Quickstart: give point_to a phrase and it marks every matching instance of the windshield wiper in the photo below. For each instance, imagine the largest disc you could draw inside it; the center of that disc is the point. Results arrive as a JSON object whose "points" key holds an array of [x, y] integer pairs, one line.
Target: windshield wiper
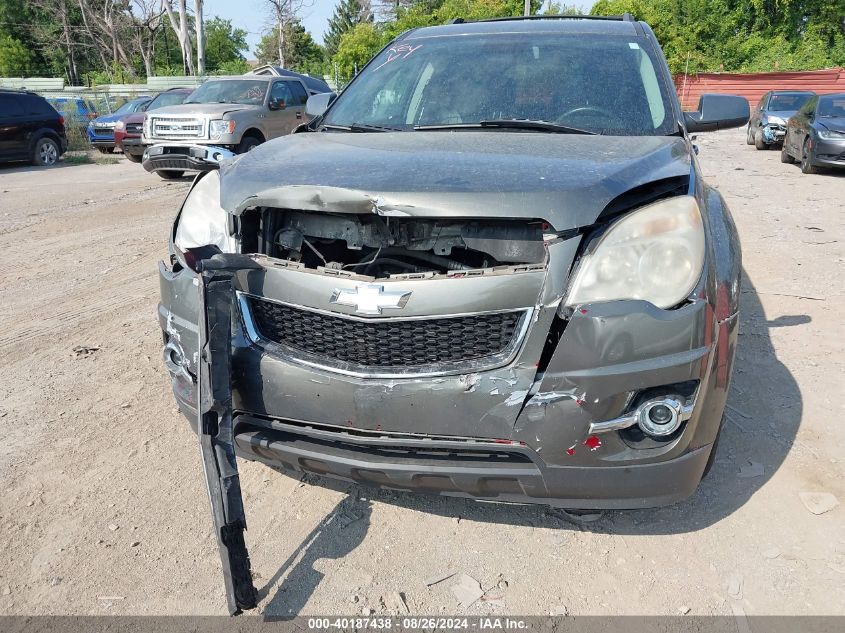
{"points": [[514, 124], [360, 127]]}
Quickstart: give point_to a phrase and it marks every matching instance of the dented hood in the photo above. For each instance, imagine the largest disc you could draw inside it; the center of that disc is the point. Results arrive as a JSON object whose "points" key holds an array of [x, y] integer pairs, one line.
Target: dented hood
{"points": [[564, 179]]}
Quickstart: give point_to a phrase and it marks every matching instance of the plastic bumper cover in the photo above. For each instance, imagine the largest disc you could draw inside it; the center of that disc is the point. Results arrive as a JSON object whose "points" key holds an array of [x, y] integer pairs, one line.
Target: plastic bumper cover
{"points": [[524, 478], [182, 157]]}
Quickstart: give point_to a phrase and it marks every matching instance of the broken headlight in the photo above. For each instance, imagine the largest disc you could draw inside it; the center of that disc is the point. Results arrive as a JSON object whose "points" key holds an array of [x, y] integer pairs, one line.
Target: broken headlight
{"points": [[655, 253], [203, 222]]}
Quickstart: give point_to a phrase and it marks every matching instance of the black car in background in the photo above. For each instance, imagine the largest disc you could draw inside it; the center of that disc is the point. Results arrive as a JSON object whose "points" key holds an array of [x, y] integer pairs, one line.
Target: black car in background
{"points": [[30, 129], [815, 136], [767, 124]]}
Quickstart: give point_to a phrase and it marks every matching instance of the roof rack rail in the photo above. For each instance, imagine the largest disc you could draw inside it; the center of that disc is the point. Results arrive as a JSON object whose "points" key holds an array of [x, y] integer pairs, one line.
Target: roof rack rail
{"points": [[626, 17]]}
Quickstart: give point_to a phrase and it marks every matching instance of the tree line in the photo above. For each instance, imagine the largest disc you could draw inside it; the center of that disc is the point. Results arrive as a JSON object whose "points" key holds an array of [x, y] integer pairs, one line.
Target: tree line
{"points": [[116, 41]]}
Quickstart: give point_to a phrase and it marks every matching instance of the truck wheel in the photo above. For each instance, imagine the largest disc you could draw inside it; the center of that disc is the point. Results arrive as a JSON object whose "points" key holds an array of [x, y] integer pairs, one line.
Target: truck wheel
{"points": [[46, 152], [170, 174], [133, 158], [105, 150], [759, 143], [248, 143]]}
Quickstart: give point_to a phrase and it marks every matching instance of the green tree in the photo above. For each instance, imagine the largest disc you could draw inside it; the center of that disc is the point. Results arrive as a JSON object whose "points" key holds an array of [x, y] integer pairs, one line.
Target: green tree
{"points": [[347, 14], [741, 35], [15, 57], [357, 47], [302, 53], [224, 45]]}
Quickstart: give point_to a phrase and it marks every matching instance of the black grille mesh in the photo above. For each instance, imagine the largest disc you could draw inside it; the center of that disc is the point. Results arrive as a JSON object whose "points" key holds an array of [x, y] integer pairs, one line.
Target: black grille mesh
{"points": [[397, 344]]}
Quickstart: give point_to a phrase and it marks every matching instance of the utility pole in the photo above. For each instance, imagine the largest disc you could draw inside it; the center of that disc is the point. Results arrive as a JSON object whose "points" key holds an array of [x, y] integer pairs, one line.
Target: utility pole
{"points": [[527, 7]]}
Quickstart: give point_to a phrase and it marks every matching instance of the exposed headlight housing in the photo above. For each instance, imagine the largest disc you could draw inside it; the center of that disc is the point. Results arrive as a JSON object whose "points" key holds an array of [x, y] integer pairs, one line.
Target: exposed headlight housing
{"points": [[203, 222], [655, 254], [219, 128], [831, 135], [775, 120]]}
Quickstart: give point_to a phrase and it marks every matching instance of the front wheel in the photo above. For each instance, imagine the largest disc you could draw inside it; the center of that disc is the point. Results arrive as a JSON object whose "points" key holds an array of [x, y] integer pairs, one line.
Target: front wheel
{"points": [[46, 152], [133, 158], [749, 136], [759, 142], [807, 166], [247, 144], [105, 150], [170, 174]]}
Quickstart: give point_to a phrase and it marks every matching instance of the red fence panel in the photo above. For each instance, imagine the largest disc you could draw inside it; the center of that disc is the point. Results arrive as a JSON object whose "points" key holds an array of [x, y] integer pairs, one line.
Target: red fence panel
{"points": [[752, 86]]}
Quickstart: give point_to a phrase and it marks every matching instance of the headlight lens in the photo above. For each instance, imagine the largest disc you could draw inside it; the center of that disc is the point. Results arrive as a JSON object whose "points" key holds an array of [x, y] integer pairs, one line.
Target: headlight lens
{"points": [[146, 127], [203, 222], [655, 254], [119, 125], [831, 135], [219, 128]]}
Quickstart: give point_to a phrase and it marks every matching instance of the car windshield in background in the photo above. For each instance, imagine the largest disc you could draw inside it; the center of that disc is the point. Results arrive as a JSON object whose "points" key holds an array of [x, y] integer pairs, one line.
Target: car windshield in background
{"points": [[244, 91], [127, 107], [167, 99], [599, 85], [832, 107], [787, 103]]}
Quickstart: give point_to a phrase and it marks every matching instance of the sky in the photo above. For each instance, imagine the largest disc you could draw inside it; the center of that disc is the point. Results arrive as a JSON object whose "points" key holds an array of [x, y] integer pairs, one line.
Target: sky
{"points": [[254, 16]]}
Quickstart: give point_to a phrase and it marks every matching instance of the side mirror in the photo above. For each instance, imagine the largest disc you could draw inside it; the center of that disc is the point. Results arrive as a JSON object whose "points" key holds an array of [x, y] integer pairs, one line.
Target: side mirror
{"points": [[319, 103], [277, 104], [718, 112]]}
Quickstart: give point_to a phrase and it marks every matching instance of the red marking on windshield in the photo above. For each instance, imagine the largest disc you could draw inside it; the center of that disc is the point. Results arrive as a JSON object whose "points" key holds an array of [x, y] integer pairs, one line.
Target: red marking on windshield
{"points": [[593, 442]]}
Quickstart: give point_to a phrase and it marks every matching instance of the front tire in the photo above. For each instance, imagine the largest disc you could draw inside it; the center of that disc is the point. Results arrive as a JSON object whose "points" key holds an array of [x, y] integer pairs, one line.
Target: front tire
{"points": [[807, 166], [133, 158], [749, 136], [247, 144], [46, 152], [105, 150], [170, 174], [759, 143]]}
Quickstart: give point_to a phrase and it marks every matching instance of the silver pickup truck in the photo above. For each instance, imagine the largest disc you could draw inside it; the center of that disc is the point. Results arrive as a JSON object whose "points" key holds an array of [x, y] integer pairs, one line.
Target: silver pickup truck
{"points": [[226, 113]]}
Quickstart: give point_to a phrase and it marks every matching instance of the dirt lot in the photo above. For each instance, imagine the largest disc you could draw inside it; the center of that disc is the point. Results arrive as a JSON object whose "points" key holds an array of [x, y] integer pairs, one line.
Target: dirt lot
{"points": [[104, 511]]}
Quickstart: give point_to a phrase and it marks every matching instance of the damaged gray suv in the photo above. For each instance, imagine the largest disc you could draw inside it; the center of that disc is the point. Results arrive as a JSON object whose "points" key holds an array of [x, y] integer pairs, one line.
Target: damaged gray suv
{"points": [[490, 268]]}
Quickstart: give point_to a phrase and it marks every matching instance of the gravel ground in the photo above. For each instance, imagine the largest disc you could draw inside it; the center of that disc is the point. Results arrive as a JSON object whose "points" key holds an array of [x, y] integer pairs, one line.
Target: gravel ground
{"points": [[104, 509]]}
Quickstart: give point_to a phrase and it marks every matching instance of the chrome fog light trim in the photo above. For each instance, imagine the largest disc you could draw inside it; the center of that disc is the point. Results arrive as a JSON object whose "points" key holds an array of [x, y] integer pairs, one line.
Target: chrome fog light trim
{"points": [[642, 416]]}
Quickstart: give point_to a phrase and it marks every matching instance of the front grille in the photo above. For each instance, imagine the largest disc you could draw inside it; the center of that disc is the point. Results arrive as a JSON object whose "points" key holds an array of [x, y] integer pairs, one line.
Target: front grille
{"points": [[134, 128], [388, 344], [177, 128], [103, 131]]}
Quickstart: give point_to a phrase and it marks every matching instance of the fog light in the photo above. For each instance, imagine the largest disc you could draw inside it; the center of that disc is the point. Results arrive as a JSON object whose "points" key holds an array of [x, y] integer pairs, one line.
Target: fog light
{"points": [[660, 418]]}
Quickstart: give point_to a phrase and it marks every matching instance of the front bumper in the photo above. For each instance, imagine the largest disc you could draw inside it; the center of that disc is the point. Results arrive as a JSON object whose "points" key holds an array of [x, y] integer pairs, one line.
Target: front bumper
{"points": [[131, 145], [510, 473], [184, 157], [829, 153], [425, 434], [773, 133]]}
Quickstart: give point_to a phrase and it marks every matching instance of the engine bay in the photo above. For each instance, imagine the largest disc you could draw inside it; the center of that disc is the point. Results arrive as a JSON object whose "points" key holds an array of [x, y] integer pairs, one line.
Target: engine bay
{"points": [[379, 246]]}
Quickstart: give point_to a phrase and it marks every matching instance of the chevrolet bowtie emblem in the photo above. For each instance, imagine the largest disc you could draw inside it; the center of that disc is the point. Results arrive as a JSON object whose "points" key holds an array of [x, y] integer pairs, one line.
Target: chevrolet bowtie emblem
{"points": [[370, 298]]}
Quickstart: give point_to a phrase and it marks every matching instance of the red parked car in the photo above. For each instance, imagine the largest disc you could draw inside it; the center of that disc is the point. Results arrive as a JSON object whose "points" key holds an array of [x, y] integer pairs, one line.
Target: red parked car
{"points": [[127, 131]]}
